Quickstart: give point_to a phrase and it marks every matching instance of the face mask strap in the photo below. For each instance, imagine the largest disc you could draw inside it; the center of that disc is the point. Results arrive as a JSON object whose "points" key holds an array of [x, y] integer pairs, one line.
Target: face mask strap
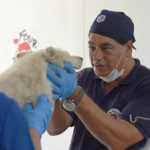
{"points": [[121, 57], [125, 63]]}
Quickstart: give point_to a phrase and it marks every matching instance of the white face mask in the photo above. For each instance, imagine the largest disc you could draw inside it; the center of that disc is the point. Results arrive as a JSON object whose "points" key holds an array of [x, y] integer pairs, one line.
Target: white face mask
{"points": [[114, 74]]}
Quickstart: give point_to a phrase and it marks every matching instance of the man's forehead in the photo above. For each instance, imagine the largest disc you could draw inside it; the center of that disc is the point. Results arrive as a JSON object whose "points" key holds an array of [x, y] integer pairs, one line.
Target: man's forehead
{"points": [[99, 39], [100, 43]]}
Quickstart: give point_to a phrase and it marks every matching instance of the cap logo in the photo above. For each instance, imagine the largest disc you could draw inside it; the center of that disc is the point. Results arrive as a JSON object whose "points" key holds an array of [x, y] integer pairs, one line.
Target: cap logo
{"points": [[101, 18]]}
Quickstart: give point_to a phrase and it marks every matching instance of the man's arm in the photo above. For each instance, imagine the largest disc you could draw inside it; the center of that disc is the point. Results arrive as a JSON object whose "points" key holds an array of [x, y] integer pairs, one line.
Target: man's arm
{"points": [[35, 136], [114, 134], [59, 121]]}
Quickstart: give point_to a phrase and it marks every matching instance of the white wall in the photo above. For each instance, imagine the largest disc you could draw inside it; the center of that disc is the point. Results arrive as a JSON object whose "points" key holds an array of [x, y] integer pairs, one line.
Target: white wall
{"points": [[51, 22], [65, 24]]}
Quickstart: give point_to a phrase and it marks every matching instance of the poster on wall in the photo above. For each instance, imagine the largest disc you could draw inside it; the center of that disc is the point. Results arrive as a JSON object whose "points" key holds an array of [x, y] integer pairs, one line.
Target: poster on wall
{"points": [[24, 40]]}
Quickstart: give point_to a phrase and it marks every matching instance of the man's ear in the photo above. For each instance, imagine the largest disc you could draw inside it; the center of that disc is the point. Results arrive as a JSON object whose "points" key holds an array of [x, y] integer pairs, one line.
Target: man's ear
{"points": [[129, 47]]}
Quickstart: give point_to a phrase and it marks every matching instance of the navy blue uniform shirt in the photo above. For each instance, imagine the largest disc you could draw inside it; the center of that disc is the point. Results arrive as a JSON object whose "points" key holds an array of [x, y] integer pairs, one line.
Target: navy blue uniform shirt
{"points": [[130, 100], [14, 134]]}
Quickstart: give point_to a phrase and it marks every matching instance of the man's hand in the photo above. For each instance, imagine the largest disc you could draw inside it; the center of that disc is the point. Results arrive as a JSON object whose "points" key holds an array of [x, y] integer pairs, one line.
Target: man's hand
{"points": [[63, 82], [39, 116]]}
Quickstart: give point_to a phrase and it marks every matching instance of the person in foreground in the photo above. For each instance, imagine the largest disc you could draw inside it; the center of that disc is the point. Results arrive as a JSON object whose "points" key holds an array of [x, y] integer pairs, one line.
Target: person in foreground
{"points": [[109, 105], [22, 129]]}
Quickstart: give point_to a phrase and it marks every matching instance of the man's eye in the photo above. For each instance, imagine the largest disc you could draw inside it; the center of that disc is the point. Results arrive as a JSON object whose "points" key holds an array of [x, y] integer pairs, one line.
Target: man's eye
{"points": [[106, 48], [92, 48]]}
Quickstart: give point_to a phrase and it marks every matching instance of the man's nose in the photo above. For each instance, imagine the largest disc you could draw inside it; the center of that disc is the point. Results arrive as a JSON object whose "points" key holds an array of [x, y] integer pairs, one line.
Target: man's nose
{"points": [[98, 55]]}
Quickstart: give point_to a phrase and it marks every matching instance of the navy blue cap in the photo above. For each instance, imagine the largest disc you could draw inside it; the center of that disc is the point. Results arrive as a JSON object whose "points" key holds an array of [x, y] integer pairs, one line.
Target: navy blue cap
{"points": [[115, 25]]}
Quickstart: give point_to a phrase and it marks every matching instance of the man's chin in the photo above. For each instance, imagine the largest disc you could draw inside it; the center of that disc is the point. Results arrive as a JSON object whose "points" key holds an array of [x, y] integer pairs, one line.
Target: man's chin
{"points": [[98, 73]]}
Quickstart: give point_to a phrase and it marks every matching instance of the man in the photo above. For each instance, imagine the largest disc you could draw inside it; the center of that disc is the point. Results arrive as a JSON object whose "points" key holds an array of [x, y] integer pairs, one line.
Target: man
{"points": [[16, 132], [113, 111]]}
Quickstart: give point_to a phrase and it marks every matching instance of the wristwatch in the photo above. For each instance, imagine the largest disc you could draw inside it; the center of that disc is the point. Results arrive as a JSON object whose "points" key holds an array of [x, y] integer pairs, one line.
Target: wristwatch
{"points": [[71, 104]]}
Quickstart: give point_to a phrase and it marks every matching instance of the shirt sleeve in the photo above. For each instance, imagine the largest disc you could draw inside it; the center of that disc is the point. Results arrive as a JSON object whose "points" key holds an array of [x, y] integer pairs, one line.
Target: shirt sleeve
{"points": [[14, 133], [137, 112]]}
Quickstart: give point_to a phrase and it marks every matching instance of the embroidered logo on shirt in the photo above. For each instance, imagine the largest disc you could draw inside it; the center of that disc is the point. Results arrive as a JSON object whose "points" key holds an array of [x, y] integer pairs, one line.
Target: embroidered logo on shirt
{"points": [[115, 113]]}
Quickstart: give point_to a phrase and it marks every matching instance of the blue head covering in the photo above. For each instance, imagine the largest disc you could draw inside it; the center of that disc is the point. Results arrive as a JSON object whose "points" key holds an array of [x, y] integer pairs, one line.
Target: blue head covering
{"points": [[115, 25]]}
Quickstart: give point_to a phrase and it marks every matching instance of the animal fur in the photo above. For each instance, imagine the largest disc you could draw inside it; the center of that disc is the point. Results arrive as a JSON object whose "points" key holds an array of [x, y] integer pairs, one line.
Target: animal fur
{"points": [[26, 79]]}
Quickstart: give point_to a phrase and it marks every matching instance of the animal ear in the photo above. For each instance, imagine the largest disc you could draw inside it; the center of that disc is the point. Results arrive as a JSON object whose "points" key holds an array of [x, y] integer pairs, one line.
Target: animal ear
{"points": [[76, 61], [22, 54], [50, 51]]}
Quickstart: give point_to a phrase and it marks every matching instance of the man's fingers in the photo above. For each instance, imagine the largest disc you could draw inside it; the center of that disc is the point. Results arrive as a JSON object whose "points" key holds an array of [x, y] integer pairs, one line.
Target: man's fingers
{"points": [[27, 107], [55, 88], [56, 69], [68, 67], [53, 77]]}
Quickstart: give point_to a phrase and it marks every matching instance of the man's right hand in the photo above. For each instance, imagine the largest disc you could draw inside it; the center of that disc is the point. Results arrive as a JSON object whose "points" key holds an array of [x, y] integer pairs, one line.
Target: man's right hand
{"points": [[64, 81]]}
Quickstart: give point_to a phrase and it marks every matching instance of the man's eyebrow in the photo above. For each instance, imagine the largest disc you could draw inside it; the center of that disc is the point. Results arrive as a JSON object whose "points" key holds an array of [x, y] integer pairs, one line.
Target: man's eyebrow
{"points": [[101, 44], [105, 44], [89, 42]]}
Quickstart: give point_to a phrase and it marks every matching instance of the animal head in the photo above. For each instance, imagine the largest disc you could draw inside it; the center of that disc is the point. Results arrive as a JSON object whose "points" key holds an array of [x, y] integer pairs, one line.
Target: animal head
{"points": [[28, 74], [54, 55]]}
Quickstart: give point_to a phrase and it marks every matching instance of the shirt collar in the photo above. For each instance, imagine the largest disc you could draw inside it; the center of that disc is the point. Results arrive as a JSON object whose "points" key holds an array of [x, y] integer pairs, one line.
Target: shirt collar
{"points": [[132, 75]]}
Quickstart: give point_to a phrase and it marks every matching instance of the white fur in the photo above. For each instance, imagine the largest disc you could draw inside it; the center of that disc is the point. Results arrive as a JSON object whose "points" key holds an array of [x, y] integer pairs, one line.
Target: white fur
{"points": [[26, 79]]}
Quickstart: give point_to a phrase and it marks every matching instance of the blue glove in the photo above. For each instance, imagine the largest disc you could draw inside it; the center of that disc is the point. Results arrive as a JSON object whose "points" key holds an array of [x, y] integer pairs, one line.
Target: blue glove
{"points": [[64, 82], [39, 116]]}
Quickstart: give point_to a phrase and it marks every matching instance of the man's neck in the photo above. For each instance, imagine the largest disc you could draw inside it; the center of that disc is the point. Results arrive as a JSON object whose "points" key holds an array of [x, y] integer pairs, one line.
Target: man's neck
{"points": [[129, 67]]}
